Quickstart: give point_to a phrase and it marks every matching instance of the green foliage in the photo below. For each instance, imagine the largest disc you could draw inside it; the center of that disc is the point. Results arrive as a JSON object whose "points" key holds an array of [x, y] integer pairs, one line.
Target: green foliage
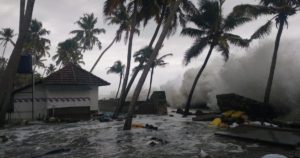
{"points": [[68, 52], [117, 68], [87, 34], [281, 9], [213, 29], [6, 35]]}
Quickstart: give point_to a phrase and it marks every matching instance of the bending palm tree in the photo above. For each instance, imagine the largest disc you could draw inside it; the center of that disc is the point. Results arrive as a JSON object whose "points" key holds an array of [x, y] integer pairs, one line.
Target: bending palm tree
{"points": [[158, 62], [119, 17], [160, 10], [214, 31], [117, 68], [6, 35], [86, 36], [174, 6], [68, 52], [282, 9]]}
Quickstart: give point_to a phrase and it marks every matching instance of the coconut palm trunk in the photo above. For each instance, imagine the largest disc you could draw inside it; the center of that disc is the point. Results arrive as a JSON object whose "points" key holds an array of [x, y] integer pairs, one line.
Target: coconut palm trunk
{"points": [[133, 24], [150, 86], [4, 51], [123, 97], [121, 76], [188, 104], [103, 52], [273, 63], [128, 122], [6, 83]]}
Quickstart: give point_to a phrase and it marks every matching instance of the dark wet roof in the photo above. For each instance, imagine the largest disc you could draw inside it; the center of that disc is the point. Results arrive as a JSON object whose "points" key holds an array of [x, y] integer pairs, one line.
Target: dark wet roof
{"points": [[72, 74]]}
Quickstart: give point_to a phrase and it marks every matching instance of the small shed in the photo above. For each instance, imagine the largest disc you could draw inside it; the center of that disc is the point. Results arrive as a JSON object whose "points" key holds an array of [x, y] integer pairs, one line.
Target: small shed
{"points": [[69, 93]]}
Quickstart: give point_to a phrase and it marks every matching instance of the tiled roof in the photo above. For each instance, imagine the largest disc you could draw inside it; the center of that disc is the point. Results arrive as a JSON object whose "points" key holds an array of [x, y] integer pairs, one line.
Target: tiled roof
{"points": [[72, 74]]}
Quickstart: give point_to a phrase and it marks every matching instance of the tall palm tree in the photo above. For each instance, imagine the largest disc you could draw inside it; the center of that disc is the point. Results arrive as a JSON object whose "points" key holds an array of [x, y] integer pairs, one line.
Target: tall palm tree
{"points": [[159, 62], [159, 10], [68, 52], [6, 35], [119, 17], [167, 25], [87, 34], [117, 68], [282, 9], [212, 31]]}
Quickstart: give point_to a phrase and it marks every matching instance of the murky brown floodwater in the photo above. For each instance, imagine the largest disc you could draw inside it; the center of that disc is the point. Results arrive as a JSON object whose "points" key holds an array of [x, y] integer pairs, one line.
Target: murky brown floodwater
{"points": [[94, 139]]}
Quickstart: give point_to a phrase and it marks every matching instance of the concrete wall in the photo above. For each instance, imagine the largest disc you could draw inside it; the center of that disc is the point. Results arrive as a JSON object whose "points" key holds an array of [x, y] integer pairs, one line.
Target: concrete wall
{"points": [[68, 91], [23, 104], [53, 96]]}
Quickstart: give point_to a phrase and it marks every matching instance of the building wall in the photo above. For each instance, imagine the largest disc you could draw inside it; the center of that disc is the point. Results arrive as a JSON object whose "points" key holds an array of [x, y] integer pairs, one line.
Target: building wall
{"points": [[61, 92], [23, 104], [53, 96]]}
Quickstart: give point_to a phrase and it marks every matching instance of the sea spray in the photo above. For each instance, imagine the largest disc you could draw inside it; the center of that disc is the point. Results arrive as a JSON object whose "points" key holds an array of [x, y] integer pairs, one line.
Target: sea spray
{"points": [[245, 73]]}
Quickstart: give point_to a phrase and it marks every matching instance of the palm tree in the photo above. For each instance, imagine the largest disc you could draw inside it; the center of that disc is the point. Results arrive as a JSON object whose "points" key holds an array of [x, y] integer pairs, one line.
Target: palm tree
{"points": [[117, 68], [6, 35], [87, 35], [36, 43], [167, 25], [282, 9], [159, 62], [68, 52], [6, 82], [213, 31], [159, 10], [119, 17], [39, 62]]}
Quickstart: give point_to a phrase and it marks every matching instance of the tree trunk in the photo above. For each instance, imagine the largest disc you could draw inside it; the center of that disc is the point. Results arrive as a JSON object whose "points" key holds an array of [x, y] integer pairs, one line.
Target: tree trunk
{"points": [[4, 50], [114, 40], [22, 12], [127, 125], [132, 27], [121, 75], [150, 86], [123, 97], [273, 64], [158, 26], [6, 83], [188, 103]]}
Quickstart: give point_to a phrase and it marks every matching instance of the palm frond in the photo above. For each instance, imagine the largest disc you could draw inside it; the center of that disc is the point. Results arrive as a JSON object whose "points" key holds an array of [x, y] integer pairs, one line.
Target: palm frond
{"points": [[223, 47], [192, 32], [237, 40], [195, 50], [233, 20], [263, 31], [252, 11]]}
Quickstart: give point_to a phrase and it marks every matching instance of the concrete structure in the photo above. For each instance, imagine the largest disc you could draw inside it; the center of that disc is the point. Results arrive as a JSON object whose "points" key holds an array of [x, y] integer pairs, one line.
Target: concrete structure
{"points": [[69, 93], [156, 105]]}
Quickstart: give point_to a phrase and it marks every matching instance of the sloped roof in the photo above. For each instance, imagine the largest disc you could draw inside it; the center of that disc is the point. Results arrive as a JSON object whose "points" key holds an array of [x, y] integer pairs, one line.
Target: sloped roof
{"points": [[72, 74]]}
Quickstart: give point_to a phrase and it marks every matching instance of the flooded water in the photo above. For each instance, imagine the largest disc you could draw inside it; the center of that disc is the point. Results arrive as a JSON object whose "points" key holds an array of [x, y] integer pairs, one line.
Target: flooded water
{"points": [[183, 137]]}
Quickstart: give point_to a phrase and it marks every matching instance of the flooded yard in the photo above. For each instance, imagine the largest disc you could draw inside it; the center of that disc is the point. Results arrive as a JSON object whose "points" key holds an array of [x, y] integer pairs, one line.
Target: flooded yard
{"points": [[182, 138]]}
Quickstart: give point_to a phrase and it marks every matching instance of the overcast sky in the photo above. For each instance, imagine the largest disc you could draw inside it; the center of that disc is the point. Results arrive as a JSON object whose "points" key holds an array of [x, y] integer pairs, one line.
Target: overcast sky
{"points": [[59, 17]]}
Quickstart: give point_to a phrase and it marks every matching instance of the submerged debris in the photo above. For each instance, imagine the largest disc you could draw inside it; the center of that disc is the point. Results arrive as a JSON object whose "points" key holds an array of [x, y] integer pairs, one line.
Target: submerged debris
{"points": [[52, 152]]}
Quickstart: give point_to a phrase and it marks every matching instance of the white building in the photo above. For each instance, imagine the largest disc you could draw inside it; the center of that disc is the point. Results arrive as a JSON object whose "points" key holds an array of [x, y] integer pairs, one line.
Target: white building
{"points": [[69, 93]]}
